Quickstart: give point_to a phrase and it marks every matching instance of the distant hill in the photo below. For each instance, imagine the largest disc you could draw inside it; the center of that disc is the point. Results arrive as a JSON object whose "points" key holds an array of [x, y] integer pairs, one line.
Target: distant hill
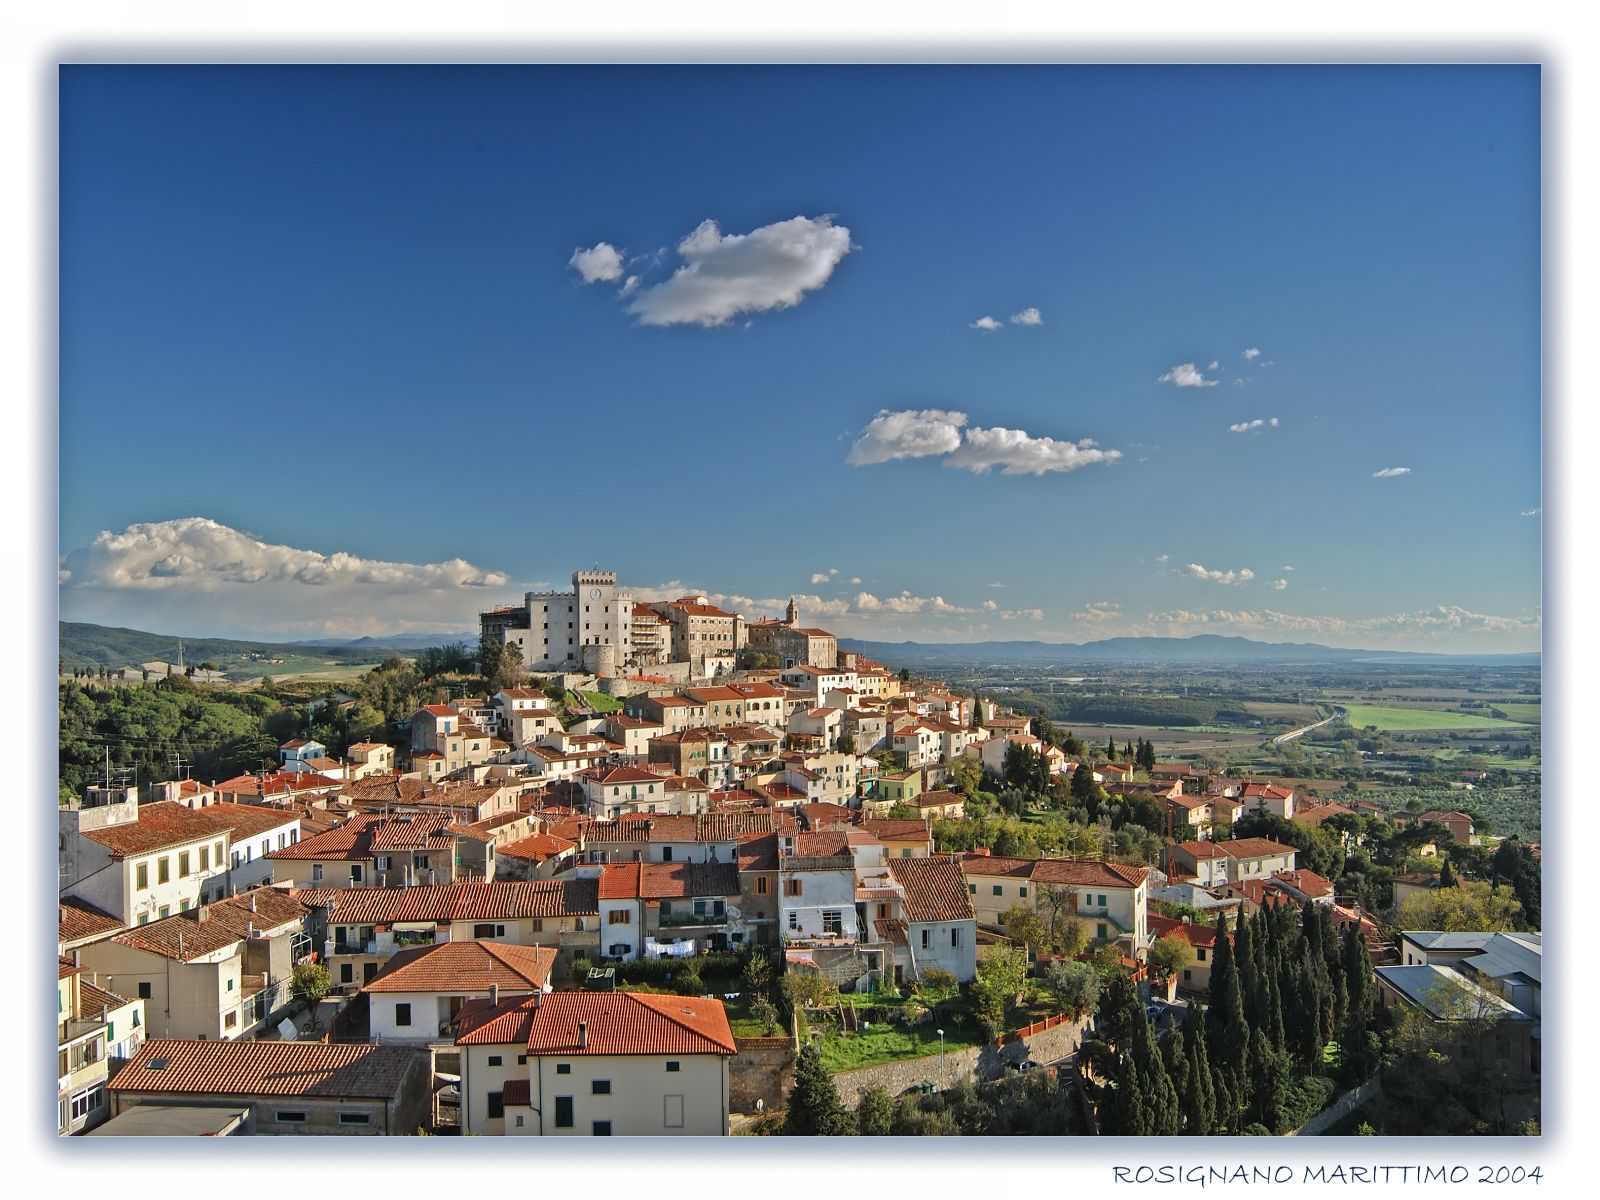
{"points": [[84, 645], [1207, 648], [400, 641]]}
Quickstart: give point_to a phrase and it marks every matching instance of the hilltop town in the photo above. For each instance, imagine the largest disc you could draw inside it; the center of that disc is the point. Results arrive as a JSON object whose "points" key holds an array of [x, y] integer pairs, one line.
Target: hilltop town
{"points": [[676, 870]]}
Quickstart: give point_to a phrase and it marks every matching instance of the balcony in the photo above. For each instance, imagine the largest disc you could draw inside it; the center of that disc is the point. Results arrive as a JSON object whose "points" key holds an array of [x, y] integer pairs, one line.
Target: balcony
{"points": [[684, 920]]}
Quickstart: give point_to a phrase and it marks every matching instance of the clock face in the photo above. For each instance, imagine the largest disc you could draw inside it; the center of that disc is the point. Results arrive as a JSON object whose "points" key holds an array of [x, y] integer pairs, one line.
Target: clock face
{"points": [[595, 593]]}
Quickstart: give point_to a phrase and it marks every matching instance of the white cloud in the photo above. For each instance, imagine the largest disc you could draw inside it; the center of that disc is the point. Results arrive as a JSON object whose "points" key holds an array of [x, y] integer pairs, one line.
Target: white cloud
{"points": [[1391, 472], [1020, 453], [197, 575], [630, 285], [1250, 354], [855, 579], [1446, 627], [1161, 558], [1028, 316], [1099, 610], [727, 275], [1226, 578], [913, 433], [1532, 512], [601, 263], [1214, 365], [1023, 614], [1286, 567], [990, 606], [1186, 375], [1279, 584], [819, 577], [904, 603], [1258, 423], [998, 584], [987, 324]]}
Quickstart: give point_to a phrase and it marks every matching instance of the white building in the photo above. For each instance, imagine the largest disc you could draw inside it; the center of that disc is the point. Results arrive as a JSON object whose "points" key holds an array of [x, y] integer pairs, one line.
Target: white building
{"points": [[589, 628]]}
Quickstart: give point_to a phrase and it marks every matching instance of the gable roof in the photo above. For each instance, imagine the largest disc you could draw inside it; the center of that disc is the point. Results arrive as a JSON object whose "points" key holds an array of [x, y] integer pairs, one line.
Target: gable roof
{"points": [[667, 881], [1065, 872], [1254, 848], [935, 889], [78, 919], [465, 967], [489, 901], [251, 1068], [620, 1023]]}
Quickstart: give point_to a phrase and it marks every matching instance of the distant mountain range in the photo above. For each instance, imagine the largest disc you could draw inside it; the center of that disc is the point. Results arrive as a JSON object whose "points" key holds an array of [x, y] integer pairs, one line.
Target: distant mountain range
{"points": [[1207, 648]]}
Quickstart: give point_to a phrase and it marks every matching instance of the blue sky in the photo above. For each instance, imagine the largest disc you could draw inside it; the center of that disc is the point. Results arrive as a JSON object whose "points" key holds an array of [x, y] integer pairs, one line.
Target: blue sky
{"points": [[335, 314]]}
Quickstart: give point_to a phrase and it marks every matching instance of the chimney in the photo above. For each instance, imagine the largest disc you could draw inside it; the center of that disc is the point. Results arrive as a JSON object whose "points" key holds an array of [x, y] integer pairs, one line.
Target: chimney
{"points": [[250, 928], [494, 994], [583, 1035], [252, 902]]}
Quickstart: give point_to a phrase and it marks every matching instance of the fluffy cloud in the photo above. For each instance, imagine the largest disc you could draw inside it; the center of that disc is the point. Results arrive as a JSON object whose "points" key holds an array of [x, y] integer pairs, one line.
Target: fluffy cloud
{"points": [[1391, 472], [904, 603], [1279, 584], [1019, 453], [1213, 365], [1258, 423], [1098, 610], [1251, 354], [601, 263], [1023, 614], [1447, 627], [1285, 567], [1028, 316], [1186, 375], [854, 580], [1226, 578], [194, 574], [1531, 512], [819, 577], [990, 606], [987, 324], [913, 433], [1161, 558], [727, 275]]}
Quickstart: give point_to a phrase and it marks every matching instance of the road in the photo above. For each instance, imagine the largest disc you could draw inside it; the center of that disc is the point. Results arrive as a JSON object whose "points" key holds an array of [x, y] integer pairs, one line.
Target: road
{"points": [[1294, 733]]}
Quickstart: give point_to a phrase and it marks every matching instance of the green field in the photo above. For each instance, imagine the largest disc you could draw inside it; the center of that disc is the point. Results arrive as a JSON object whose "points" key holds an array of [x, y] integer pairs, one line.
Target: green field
{"points": [[1530, 713], [1390, 719]]}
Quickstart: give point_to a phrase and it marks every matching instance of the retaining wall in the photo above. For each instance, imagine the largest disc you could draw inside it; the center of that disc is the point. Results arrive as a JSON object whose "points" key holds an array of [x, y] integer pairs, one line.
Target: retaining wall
{"points": [[1045, 1043], [762, 1070], [1340, 1108]]}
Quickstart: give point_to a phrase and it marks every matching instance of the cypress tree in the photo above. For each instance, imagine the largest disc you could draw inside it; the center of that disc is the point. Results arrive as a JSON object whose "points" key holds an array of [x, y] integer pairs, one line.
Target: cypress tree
{"points": [[814, 1106], [1447, 875], [1160, 1097], [1355, 1052], [1201, 1104], [1175, 1056], [1111, 749], [1227, 1118], [1245, 964], [1129, 1115]]}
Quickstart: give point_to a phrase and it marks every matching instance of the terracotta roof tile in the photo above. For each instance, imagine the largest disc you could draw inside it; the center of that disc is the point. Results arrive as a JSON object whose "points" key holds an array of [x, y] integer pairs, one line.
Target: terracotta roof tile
{"points": [[488, 901], [78, 919], [252, 1068], [935, 888], [1253, 848], [465, 967], [615, 1023]]}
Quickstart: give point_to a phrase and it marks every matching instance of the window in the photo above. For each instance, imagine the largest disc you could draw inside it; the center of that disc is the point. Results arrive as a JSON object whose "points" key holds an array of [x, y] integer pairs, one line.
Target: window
{"points": [[563, 1112], [1101, 931], [205, 858], [997, 889], [216, 850], [164, 912], [791, 887], [763, 885], [833, 922], [924, 939], [381, 862], [519, 1122], [230, 1020], [316, 872], [1023, 891], [488, 931], [955, 936], [289, 1118], [347, 972], [494, 1060], [522, 1060], [673, 1066], [144, 991], [230, 985], [600, 1087], [619, 916], [602, 1129], [1200, 954], [1186, 975], [973, 888], [141, 877], [497, 1106], [355, 1118], [163, 870], [563, 1068], [357, 875], [183, 864], [402, 1014]]}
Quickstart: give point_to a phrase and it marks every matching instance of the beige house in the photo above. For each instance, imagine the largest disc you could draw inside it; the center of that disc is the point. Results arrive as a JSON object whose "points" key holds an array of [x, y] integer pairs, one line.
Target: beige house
{"points": [[1110, 898], [369, 758], [416, 997], [595, 1064], [94, 1029]]}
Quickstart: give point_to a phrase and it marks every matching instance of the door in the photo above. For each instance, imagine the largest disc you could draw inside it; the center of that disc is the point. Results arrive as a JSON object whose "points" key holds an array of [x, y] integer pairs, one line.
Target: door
{"points": [[368, 970]]}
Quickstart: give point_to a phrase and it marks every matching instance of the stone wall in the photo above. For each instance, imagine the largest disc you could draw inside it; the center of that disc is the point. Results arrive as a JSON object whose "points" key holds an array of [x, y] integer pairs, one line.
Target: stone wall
{"points": [[981, 1062], [762, 1070], [1340, 1108]]}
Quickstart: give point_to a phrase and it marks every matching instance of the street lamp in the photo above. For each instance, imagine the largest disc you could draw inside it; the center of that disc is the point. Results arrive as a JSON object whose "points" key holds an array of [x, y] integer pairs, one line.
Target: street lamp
{"points": [[941, 1043]]}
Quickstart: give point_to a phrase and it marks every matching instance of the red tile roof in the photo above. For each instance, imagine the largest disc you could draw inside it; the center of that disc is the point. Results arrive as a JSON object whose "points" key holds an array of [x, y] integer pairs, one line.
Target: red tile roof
{"points": [[1196, 933], [489, 901], [462, 967], [182, 937], [615, 1023], [667, 881], [1253, 848], [538, 847], [251, 1068], [161, 825], [1063, 871], [935, 888], [77, 919]]}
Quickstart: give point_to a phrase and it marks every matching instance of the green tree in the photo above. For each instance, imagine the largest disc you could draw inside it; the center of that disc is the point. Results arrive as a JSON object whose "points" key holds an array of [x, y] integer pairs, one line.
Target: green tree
{"points": [[998, 985], [1075, 985], [875, 1115], [1470, 906], [1023, 926], [814, 1108], [310, 983], [1169, 955]]}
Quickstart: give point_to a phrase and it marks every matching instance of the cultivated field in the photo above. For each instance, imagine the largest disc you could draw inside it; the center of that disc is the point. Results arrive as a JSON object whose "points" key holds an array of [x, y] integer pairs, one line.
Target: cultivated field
{"points": [[1391, 719]]}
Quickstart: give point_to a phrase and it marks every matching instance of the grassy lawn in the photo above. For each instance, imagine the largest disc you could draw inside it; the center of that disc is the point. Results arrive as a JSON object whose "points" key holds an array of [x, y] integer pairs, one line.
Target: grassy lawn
{"points": [[744, 1025], [891, 1043], [1362, 715], [600, 702], [1531, 713]]}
